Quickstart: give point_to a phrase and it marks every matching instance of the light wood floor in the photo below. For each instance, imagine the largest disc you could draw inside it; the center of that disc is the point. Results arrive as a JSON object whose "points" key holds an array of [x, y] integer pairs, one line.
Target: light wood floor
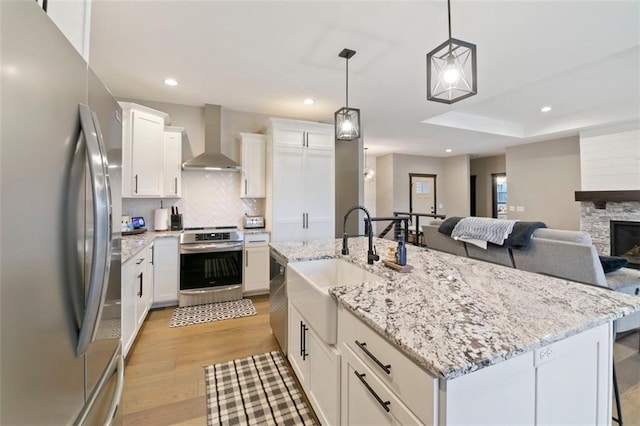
{"points": [[164, 376]]}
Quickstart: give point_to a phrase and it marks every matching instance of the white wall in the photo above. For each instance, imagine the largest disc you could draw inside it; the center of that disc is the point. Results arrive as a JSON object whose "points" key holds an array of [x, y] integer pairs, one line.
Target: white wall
{"points": [[405, 164], [610, 159]]}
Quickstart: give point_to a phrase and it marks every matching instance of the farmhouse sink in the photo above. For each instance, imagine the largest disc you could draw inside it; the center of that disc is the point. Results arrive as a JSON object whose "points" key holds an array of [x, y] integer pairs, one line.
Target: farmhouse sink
{"points": [[308, 286]]}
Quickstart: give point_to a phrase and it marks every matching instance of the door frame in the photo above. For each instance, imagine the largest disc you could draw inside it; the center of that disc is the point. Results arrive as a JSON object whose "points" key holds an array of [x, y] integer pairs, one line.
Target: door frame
{"points": [[473, 202], [435, 192]]}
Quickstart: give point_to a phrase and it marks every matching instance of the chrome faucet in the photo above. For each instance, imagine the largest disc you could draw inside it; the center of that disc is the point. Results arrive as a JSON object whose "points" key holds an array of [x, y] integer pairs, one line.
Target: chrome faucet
{"points": [[371, 253]]}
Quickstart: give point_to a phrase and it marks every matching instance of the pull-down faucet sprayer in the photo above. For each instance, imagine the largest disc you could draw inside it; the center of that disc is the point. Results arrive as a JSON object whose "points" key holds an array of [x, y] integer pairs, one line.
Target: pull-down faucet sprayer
{"points": [[371, 253]]}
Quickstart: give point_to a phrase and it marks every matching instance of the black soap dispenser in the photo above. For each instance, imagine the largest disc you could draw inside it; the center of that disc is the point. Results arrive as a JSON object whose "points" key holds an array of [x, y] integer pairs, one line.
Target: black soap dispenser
{"points": [[401, 252]]}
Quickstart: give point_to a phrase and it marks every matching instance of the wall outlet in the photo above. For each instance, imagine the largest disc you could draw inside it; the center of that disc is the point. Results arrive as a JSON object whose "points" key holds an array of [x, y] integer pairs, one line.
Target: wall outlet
{"points": [[512, 208], [520, 208], [544, 355]]}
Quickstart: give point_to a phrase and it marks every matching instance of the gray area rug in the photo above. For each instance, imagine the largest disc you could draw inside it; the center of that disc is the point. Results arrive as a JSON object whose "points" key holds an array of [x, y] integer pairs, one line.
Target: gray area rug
{"points": [[257, 390], [199, 314]]}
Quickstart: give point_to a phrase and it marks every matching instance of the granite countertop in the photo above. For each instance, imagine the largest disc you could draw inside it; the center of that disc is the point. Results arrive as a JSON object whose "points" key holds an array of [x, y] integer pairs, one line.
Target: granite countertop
{"points": [[133, 244], [454, 315]]}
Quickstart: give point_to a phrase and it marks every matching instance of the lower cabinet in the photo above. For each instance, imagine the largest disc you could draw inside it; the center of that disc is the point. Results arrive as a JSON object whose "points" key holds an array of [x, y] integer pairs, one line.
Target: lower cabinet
{"points": [[256, 263], [566, 382], [166, 271], [317, 366], [137, 294]]}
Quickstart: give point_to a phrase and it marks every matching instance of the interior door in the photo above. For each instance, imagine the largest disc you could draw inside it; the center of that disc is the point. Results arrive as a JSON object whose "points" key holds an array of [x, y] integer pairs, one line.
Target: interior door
{"points": [[422, 198]]}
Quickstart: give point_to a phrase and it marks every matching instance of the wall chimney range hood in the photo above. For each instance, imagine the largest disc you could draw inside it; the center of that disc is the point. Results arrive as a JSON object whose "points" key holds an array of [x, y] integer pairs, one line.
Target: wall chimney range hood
{"points": [[212, 157]]}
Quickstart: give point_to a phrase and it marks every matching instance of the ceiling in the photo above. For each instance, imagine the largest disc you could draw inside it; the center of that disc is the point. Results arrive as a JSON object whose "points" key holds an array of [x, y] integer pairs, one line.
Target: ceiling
{"points": [[580, 57]]}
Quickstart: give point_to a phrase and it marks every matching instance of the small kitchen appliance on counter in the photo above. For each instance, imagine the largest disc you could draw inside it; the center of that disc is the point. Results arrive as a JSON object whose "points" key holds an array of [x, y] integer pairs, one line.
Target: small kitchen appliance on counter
{"points": [[253, 222], [133, 225], [176, 219]]}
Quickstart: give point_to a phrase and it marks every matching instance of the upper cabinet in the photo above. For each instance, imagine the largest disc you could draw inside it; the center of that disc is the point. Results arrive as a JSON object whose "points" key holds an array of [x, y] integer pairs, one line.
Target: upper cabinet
{"points": [[151, 156], [73, 18], [254, 153], [300, 176], [173, 137]]}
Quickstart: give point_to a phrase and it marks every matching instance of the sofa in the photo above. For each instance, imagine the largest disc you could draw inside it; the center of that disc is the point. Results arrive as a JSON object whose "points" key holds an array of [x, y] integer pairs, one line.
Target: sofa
{"points": [[564, 254]]}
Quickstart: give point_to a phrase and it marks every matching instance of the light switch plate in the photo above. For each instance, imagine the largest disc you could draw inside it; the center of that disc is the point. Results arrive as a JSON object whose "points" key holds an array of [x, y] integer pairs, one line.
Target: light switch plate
{"points": [[520, 208]]}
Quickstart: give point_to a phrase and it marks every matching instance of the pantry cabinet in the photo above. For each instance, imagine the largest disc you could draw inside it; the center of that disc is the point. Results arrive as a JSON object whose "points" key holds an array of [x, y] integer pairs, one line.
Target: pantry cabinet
{"points": [[300, 170], [172, 171], [254, 152]]}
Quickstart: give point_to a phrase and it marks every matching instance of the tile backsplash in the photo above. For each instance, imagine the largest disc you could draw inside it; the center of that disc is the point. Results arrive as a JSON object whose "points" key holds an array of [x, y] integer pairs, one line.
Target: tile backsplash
{"points": [[208, 199]]}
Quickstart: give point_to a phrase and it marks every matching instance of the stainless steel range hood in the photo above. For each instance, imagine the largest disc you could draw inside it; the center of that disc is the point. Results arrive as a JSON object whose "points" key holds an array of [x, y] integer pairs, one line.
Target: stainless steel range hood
{"points": [[212, 157]]}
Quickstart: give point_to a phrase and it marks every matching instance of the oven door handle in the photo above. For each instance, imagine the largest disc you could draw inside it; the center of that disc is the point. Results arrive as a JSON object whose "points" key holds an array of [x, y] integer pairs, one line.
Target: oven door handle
{"points": [[210, 248]]}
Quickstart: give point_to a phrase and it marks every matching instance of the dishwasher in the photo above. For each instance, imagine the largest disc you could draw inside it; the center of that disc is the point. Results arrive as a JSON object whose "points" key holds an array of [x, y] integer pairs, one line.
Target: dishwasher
{"points": [[278, 301]]}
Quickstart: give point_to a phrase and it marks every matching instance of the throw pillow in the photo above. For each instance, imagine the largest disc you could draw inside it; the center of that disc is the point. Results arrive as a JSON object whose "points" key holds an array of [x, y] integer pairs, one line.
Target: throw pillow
{"points": [[612, 263]]}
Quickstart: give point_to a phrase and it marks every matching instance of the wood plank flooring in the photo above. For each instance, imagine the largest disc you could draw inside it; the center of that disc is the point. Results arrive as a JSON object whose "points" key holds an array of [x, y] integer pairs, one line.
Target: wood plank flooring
{"points": [[164, 376]]}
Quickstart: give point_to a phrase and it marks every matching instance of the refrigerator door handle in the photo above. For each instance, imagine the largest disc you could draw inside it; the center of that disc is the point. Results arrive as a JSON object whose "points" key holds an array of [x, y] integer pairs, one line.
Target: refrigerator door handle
{"points": [[100, 264]]}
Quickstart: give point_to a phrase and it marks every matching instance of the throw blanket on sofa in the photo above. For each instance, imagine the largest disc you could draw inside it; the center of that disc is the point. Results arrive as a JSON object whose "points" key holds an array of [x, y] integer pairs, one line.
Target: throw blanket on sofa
{"points": [[520, 236], [480, 230]]}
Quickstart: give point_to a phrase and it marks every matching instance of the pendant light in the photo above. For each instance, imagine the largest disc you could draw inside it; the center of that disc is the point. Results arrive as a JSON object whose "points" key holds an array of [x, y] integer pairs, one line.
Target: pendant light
{"points": [[347, 120], [451, 69], [367, 172]]}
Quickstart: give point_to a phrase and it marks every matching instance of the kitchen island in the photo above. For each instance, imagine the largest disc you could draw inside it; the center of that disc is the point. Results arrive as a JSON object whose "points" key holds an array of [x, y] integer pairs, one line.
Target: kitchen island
{"points": [[454, 317]]}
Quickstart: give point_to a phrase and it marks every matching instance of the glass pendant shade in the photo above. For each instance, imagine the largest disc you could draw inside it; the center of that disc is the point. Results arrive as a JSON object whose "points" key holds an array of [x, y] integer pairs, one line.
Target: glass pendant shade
{"points": [[451, 71], [347, 121]]}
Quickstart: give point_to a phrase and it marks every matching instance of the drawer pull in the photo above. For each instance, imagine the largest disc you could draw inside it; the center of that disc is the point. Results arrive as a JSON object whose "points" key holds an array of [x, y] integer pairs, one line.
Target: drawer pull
{"points": [[384, 404], [385, 368]]}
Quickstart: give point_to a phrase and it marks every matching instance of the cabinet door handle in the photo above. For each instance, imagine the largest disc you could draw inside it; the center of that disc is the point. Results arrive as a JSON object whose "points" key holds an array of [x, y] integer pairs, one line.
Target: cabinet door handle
{"points": [[175, 184], [304, 342], [153, 252], [303, 137], [140, 261], [245, 187], [301, 338], [246, 258], [136, 179], [386, 368], [384, 404], [140, 285]]}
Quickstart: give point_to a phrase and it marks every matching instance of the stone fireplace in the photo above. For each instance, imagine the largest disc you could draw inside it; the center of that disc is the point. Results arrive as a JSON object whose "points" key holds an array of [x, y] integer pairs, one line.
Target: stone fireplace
{"points": [[597, 222]]}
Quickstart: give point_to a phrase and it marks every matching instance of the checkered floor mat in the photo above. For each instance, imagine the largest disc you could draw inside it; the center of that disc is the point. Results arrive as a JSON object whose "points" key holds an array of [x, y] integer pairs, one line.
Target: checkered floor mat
{"points": [[212, 312], [258, 390]]}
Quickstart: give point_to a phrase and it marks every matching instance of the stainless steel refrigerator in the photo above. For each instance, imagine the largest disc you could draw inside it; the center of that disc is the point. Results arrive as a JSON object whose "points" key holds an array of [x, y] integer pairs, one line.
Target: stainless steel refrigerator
{"points": [[60, 204]]}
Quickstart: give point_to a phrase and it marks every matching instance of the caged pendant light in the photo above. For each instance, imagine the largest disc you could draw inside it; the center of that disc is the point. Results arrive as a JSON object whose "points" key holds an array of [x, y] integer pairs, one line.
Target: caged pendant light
{"points": [[347, 120], [451, 70]]}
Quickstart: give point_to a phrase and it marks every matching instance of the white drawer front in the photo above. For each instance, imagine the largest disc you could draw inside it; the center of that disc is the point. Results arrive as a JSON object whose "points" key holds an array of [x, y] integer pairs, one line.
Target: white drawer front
{"points": [[414, 386]]}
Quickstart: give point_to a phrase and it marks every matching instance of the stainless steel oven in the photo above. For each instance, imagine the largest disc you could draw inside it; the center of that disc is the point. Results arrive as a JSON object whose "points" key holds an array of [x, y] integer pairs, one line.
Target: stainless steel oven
{"points": [[211, 265]]}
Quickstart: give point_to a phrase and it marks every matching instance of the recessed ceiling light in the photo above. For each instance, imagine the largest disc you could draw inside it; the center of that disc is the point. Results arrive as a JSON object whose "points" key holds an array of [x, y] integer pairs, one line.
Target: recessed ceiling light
{"points": [[448, 150], [309, 101], [170, 82], [545, 108]]}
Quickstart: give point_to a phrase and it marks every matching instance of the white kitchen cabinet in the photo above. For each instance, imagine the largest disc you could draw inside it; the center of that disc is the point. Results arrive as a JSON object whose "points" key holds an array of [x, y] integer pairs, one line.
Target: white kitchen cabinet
{"points": [[137, 294], [142, 151], [166, 271], [144, 282], [300, 176], [317, 366], [254, 158], [256, 263], [566, 382], [172, 171], [73, 18]]}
